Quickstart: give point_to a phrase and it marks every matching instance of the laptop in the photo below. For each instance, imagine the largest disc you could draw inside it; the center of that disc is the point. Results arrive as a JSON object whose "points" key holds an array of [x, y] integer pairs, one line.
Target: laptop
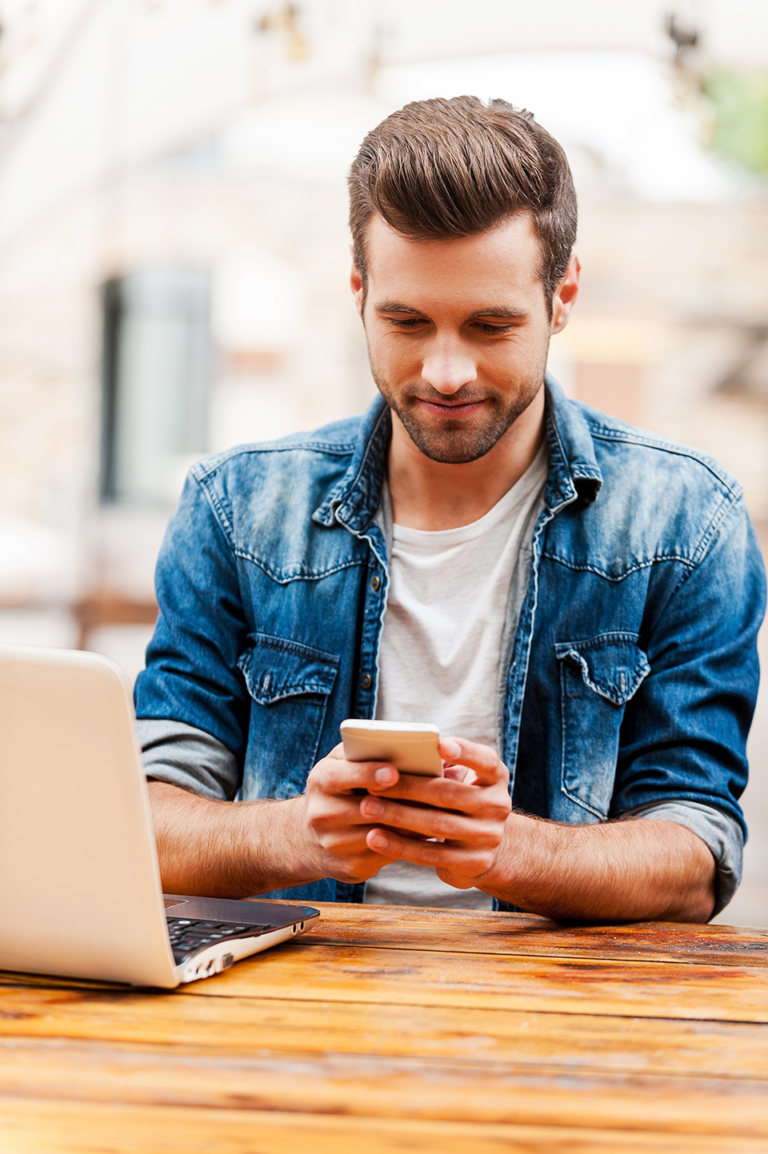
{"points": [[80, 892]]}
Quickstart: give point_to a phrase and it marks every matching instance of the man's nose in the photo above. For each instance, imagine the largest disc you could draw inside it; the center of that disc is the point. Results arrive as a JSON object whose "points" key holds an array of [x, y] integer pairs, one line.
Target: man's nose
{"points": [[448, 367]]}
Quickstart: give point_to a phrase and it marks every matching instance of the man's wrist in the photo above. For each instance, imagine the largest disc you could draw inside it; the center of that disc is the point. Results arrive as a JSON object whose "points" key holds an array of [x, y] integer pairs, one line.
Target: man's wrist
{"points": [[511, 873], [285, 852]]}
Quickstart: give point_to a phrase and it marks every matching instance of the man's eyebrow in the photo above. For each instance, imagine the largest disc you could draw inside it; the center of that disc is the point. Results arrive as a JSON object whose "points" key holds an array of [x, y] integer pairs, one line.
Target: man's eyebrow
{"points": [[504, 313], [396, 307], [501, 311]]}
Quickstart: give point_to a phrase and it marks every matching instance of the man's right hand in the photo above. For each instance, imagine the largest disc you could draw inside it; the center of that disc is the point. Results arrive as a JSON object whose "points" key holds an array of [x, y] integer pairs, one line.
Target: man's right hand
{"points": [[226, 849], [334, 828]]}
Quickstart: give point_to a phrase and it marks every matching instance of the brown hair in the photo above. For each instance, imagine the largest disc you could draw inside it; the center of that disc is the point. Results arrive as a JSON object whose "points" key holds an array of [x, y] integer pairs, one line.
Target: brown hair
{"points": [[449, 168]]}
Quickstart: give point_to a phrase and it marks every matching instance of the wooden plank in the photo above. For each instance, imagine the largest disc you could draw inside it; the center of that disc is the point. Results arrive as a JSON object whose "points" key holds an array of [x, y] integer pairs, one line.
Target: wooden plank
{"points": [[481, 932], [462, 931], [43, 1127], [374, 1086], [583, 1044], [566, 985]]}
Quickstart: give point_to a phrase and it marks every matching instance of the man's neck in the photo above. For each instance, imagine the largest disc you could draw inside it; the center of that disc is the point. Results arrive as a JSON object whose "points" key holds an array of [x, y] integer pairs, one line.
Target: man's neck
{"points": [[431, 495]]}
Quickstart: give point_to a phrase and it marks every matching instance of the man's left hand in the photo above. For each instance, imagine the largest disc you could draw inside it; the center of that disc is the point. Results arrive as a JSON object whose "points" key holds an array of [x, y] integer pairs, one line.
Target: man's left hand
{"points": [[465, 810]]}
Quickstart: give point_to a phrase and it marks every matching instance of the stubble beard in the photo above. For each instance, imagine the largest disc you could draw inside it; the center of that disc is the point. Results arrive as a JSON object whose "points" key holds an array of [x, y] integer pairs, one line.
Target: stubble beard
{"points": [[457, 442]]}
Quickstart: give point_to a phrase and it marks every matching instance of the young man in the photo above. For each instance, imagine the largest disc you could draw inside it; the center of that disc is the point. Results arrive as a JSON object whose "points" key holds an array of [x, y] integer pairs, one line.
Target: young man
{"points": [[575, 601]]}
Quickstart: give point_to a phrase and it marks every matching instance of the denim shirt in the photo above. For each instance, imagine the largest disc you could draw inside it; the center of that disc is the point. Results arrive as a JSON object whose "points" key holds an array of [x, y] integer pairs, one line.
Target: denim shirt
{"points": [[633, 671]]}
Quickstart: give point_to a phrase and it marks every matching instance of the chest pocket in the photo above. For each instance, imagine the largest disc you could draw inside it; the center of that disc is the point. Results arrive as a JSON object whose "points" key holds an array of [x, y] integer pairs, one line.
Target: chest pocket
{"points": [[289, 684], [598, 676]]}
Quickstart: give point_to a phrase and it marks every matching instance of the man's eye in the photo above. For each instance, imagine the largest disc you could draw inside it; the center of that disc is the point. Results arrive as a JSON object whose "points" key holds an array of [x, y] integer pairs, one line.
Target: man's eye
{"points": [[406, 322], [486, 328]]}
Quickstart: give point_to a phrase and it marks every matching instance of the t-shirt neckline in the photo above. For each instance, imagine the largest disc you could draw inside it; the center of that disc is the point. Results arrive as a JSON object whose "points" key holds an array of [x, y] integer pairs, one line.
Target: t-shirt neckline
{"points": [[533, 478]]}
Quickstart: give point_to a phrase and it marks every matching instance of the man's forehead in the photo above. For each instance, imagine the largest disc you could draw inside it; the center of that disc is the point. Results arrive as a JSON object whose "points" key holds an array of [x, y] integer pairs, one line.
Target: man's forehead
{"points": [[504, 260]]}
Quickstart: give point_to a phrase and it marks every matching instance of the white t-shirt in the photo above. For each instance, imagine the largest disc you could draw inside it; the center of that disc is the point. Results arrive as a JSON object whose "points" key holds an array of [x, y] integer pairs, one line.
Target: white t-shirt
{"points": [[441, 645]]}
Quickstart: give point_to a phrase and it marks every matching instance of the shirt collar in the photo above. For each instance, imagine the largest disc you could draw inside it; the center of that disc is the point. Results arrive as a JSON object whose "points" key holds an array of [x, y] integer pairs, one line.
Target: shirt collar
{"points": [[572, 472], [355, 499]]}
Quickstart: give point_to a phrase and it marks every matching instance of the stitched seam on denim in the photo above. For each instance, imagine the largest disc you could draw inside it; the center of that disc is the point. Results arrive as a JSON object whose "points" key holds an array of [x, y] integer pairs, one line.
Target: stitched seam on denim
{"points": [[551, 423], [563, 787], [583, 804], [319, 729], [597, 640], [605, 433], [299, 576], [719, 518], [201, 471], [298, 690], [222, 520], [584, 474], [608, 693], [382, 563], [270, 641], [691, 563], [368, 449], [608, 576], [518, 699]]}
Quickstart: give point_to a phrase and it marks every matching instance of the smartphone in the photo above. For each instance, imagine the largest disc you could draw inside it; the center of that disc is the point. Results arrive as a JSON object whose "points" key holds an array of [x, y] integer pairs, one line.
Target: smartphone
{"points": [[411, 748]]}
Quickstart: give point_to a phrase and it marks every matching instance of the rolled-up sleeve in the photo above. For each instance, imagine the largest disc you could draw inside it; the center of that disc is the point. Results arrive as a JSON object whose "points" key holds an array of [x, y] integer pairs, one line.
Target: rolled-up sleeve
{"points": [[720, 832], [684, 733], [189, 758]]}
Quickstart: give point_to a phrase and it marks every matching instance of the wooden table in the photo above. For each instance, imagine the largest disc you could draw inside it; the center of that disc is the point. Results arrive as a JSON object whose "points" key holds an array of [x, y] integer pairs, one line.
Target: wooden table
{"points": [[407, 1030]]}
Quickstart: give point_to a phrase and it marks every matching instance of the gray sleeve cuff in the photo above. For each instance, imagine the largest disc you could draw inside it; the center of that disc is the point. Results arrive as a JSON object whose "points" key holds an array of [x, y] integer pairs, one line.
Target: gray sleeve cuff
{"points": [[188, 757], [719, 831]]}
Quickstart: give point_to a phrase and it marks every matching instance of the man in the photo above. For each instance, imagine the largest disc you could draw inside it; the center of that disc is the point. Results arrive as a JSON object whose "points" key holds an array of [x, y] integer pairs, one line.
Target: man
{"points": [[573, 600]]}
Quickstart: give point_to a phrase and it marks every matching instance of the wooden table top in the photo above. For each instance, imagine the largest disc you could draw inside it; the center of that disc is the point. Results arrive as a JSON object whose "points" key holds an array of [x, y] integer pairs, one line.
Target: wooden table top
{"points": [[416, 1030]]}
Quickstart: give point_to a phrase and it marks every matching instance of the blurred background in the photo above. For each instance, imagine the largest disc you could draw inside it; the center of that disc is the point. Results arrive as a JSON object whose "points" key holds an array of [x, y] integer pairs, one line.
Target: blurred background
{"points": [[174, 254]]}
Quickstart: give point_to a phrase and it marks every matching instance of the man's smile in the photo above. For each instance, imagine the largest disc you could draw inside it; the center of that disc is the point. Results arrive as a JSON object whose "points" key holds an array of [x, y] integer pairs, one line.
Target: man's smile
{"points": [[451, 409]]}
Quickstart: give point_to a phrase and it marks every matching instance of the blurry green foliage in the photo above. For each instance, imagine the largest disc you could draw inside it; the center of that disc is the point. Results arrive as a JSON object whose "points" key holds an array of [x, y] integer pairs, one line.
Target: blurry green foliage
{"points": [[740, 101]]}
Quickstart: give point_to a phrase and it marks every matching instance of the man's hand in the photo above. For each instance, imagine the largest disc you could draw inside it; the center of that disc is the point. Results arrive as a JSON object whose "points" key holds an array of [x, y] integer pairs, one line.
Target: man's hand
{"points": [[614, 871], [334, 828], [465, 810]]}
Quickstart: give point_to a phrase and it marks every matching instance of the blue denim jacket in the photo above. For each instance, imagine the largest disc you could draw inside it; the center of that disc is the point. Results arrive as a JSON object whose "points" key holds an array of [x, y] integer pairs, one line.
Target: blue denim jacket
{"points": [[633, 672]]}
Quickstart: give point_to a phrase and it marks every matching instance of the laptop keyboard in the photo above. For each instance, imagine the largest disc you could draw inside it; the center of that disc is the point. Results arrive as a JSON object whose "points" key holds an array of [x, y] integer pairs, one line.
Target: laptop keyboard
{"points": [[190, 935]]}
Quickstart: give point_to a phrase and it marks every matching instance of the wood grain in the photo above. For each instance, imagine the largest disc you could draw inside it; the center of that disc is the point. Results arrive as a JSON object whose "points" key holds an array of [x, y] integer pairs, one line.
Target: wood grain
{"points": [[579, 1043], [311, 970], [461, 931], [59, 1127], [406, 1030], [385, 1087], [567, 985]]}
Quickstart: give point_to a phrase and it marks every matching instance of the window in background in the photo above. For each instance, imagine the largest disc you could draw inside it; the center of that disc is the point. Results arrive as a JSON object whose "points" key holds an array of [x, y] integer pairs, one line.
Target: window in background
{"points": [[156, 372]]}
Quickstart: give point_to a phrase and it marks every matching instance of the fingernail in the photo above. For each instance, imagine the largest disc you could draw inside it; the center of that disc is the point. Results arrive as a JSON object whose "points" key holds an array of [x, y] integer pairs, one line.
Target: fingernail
{"points": [[385, 775], [452, 748], [378, 840], [371, 807]]}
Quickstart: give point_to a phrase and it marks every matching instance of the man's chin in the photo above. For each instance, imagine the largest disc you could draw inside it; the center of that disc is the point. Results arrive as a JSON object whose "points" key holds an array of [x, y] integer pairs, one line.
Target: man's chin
{"points": [[453, 446]]}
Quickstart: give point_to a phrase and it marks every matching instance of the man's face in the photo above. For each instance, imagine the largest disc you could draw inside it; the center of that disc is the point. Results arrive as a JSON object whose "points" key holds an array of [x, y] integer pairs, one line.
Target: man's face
{"points": [[458, 332]]}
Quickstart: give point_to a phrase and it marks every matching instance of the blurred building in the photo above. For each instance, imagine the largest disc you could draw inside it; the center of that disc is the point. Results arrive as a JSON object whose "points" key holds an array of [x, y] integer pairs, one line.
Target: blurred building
{"points": [[174, 249]]}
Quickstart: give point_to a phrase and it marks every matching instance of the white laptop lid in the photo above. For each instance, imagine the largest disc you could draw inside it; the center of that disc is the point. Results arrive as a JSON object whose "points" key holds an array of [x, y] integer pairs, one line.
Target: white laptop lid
{"points": [[79, 881]]}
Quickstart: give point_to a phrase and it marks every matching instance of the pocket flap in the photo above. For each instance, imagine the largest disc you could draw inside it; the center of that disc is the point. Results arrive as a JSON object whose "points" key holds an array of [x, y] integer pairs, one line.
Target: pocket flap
{"points": [[612, 664], [275, 668]]}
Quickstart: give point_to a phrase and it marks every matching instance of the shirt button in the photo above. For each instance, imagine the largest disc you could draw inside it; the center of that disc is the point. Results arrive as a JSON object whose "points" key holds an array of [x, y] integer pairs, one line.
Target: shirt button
{"points": [[376, 584], [366, 681]]}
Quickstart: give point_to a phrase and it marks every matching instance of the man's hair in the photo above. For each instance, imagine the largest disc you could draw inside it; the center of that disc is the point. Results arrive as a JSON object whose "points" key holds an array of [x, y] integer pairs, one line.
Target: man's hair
{"points": [[452, 168]]}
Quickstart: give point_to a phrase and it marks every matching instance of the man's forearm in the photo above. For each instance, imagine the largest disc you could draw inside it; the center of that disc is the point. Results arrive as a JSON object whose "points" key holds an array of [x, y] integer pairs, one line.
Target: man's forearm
{"points": [[619, 871], [224, 849]]}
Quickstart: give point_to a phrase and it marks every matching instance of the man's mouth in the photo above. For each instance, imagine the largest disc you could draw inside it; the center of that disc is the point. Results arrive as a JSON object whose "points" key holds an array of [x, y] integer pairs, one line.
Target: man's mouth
{"points": [[451, 410]]}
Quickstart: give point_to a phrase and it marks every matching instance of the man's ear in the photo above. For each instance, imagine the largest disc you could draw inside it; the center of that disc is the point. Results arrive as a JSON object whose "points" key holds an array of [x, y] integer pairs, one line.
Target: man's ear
{"points": [[565, 296], [356, 283]]}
